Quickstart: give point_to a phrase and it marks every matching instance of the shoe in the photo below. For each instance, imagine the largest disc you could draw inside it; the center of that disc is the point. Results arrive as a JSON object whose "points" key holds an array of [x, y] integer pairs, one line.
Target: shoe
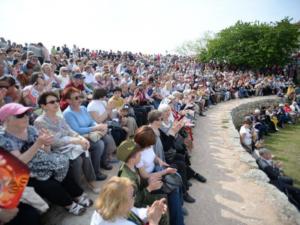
{"points": [[106, 166], [76, 209], [201, 114], [189, 184], [199, 177], [101, 176], [188, 198], [84, 200], [184, 211]]}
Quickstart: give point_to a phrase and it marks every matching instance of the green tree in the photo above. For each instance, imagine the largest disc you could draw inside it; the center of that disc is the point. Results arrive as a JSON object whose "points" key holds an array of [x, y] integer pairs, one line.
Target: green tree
{"points": [[192, 48], [253, 45]]}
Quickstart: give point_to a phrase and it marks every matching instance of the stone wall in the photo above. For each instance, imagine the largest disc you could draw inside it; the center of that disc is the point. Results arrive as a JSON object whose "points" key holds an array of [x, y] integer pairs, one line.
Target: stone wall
{"points": [[243, 110], [288, 211]]}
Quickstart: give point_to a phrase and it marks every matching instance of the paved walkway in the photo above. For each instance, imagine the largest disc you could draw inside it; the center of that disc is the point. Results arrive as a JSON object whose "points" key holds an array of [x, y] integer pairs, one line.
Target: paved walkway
{"points": [[226, 199]]}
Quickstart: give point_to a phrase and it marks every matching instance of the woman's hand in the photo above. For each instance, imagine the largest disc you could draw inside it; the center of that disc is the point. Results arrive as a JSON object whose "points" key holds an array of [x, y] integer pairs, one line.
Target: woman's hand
{"points": [[162, 163], [7, 215], [102, 127], [156, 210], [170, 170], [154, 183], [2, 161], [84, 143], [44, 138]]}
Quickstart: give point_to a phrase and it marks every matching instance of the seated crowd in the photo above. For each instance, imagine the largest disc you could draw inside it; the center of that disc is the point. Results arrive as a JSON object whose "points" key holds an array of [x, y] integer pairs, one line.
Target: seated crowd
{"points": [[261, 123], [68, 113]]}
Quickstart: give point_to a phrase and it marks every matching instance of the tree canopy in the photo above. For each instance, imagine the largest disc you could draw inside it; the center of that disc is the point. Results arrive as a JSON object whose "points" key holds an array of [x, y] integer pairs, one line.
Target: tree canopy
{"points": [[253, 45]]}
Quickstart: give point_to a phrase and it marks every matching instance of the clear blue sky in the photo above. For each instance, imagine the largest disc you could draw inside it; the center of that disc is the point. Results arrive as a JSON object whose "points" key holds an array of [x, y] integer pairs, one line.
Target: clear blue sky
{"points": [[151, 26]]}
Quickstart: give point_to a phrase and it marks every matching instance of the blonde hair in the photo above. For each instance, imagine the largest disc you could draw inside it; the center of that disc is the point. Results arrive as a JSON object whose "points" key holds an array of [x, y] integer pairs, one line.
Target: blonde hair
{"points": [[112, 198]]}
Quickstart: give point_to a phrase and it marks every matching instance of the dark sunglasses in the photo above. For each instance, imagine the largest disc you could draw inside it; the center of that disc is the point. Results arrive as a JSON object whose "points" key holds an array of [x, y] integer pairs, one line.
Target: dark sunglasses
{"points": [[5, 87], [134, 192], [20, 116], [77, 97], [53, 102]]}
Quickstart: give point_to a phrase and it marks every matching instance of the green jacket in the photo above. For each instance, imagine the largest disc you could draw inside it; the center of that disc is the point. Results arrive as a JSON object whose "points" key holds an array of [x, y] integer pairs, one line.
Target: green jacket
{"points": [[143, 197]]}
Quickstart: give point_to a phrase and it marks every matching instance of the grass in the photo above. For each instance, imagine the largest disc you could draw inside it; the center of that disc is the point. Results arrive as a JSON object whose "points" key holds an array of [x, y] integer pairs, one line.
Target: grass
{"points": [[285, 145]]}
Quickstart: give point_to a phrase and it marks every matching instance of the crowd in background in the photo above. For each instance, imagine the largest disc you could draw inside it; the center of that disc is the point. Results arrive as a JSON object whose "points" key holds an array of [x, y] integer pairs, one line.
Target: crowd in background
{"points": [[261, 123], [68, 112]]}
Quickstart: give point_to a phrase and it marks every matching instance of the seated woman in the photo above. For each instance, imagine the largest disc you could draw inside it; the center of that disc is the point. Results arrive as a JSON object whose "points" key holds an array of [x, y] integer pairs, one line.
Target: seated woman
{"points": [[80, 121], [114, 206], [48, 170], [66, 141], [149, 165], [130, 153], [100, 112]]}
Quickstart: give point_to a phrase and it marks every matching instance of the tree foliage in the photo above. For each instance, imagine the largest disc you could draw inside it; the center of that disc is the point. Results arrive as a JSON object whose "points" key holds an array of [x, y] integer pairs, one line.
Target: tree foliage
{"points": [[253, 45], [192, 48]]}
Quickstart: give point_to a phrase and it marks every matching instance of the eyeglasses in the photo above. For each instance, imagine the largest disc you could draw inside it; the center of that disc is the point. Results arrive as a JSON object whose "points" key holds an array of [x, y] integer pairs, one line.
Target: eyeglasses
{"points": [[20, 116], [53, 102], [134, 192], [77, 97], [160, 119], [4, 87]]}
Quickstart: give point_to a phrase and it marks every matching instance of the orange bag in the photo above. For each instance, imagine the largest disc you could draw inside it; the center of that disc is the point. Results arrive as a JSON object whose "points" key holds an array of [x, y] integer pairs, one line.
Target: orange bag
{"points": [[14, 176]]}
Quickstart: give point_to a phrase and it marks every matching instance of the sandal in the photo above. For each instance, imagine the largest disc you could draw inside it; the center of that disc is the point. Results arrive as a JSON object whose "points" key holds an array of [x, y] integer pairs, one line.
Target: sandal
{"points": [[84, 200], [76, 209]]}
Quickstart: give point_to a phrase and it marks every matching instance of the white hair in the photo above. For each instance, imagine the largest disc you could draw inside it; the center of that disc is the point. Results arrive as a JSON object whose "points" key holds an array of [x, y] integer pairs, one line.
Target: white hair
{"points": [[164, 108]]}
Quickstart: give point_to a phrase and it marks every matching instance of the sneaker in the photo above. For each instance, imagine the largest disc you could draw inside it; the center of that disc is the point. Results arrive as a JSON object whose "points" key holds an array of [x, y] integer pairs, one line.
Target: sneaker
{"points": [[84, 200], [76, 209]]}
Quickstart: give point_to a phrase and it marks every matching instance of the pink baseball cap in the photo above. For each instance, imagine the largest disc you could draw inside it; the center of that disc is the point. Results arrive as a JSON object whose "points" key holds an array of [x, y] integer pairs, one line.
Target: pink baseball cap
{"points": [[12, 109]]}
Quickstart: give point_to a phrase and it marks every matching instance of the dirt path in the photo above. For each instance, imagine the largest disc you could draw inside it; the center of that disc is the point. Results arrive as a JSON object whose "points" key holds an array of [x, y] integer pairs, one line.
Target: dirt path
{"points": [[227, 198]]}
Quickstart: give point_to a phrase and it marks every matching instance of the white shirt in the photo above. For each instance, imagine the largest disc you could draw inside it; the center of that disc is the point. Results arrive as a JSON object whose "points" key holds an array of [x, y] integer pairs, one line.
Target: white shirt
{"points": [[247, 140], [98, 106], [98, 220], [89, 78], [63, 81], [147, 160]]}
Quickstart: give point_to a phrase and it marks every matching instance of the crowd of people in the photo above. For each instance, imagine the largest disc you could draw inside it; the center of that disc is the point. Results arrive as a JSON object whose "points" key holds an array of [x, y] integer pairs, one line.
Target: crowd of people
{"points": [[68, 113], [263, 122]]}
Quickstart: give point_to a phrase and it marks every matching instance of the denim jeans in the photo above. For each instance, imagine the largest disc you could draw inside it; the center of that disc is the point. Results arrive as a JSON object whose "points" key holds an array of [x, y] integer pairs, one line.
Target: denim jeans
{"points": [[175, 207]]}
